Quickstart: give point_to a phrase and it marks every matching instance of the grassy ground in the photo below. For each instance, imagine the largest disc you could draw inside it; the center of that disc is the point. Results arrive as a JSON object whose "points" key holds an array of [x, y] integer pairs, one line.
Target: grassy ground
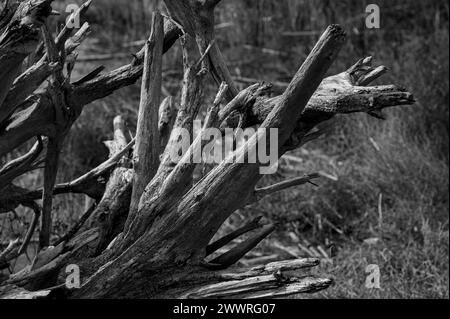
{"points": [[388, 203]]}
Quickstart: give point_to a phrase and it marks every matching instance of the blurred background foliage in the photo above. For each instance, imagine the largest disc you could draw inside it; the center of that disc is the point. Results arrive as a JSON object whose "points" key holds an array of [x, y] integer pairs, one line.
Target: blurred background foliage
{"points": [[386, 201]]}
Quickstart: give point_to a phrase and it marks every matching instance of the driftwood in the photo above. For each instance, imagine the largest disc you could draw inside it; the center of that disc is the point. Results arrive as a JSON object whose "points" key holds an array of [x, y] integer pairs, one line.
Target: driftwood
{"points": [[149, 233]]}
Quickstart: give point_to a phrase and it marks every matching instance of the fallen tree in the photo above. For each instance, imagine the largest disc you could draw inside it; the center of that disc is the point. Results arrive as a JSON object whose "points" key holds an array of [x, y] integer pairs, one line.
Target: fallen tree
{"points": [[149, 233]]}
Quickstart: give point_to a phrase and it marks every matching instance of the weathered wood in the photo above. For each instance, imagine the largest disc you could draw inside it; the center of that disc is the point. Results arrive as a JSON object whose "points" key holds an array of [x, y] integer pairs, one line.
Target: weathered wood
{"points": [[19, 39], [191, 98], [187, 227], [221, 242], [180, 178], [20, 165], [158, 248], [269, 286], [342, 94], [50, 172], [244, 284], [91, 184], [235, 254], [167, 115], [9, 253], [76, 228], [220, 72], [262, 192], [14, 292], [216, 188], [147, 150], [31, 229], [112, 211], [35, 116], [32, 78], [197, 19], [7, 10]]}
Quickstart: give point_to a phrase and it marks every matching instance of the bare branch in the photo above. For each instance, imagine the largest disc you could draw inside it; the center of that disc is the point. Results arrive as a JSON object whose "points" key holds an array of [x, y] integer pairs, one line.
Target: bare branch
{"points": [[265, 191], [300, 137], [244, 101], [69, 26], [19, 39], [32, 78], [36, 113], [146, 153], [197, 18], [257, 287], [30, 232], [50, 45], [75, 41], [220, 71], [88, 184], [9, 253], [26, 84], [167, 115], [252, 225], [92, 175], [232, 256], [204, 54], [20, 165], [276, 279], [372, 76], [340, 94], [107, 83], [75, 228], [113, 208], [50, 172], [53, 53]]}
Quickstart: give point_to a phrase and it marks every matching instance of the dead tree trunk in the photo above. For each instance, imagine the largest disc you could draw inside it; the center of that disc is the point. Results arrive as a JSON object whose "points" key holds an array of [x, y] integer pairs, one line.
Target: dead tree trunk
{"points": [[149, 234]]}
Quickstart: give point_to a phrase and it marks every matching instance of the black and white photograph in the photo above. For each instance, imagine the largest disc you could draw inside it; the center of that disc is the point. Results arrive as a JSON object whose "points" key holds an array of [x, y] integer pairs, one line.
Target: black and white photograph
{"points": [[226, 157]]}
